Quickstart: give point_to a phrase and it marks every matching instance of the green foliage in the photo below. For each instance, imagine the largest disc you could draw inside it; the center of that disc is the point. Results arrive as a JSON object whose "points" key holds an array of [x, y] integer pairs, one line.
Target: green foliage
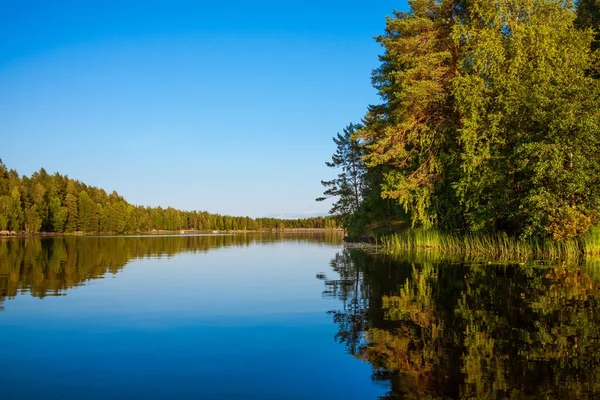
{"points": [[87, 218], [5, 206], [72, 211], [434, 244], [490, 117], [33, 221], [56, 203], [15, 212], [588, 17], [58, 215], [350, 185], [412, 135], [528, 120], [359, 202]]}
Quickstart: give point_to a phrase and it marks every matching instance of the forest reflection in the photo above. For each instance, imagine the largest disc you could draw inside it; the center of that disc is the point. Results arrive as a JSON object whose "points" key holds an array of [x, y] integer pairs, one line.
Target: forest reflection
{"points": [[441, 330], [50, 266]]}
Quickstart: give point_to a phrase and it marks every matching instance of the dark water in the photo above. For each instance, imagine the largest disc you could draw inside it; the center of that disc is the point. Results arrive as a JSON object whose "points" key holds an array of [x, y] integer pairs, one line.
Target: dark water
{"points": [[437, 330], [286, 317]]}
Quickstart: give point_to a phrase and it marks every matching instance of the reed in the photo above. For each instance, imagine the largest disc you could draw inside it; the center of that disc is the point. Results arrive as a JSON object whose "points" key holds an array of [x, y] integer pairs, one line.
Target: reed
{"points": [[492, 247], [592, 241]]}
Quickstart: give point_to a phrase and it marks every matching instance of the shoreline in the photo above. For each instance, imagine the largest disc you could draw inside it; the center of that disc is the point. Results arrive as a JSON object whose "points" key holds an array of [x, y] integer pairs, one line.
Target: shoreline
{"points": [[6, 234]]}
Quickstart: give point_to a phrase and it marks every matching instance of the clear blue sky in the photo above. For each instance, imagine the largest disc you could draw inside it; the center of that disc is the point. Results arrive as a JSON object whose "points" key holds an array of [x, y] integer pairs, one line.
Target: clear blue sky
{"points": [[221, 106]]}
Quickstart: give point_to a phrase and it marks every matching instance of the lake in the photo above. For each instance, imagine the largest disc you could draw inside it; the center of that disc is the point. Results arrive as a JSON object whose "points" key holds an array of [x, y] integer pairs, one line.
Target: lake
{"points": [[287, 316]]}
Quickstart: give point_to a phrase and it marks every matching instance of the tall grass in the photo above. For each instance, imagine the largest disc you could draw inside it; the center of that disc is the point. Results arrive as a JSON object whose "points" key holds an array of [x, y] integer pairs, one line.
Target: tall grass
{"points": [[500, 246], [592, 241]]}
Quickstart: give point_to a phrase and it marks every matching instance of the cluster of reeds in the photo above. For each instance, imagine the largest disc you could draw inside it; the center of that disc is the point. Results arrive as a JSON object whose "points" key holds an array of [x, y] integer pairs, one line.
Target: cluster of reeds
{"points": [[499, 246], [592, 242]]}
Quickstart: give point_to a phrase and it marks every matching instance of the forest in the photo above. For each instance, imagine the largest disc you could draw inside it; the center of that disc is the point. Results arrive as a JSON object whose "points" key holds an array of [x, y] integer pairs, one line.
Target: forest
{"points": [[58, 204], [489, 122]]}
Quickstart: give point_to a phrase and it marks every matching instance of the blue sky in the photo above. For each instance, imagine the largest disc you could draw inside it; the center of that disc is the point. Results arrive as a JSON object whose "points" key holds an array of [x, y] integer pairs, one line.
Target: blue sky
{"points": [[228, 107]]}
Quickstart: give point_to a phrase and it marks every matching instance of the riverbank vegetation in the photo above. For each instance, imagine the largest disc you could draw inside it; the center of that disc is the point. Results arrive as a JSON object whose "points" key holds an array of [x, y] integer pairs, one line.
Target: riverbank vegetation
{"points": [[490, 246], [59, 204], [487, 139]]}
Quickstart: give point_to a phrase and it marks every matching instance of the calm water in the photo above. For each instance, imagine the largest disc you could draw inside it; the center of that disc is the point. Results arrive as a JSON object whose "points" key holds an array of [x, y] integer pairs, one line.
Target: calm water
{"points": [[286, 317]]}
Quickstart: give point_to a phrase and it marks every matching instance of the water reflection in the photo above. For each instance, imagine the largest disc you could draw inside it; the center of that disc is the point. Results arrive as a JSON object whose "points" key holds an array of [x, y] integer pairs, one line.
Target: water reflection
{"points": [[242, 321], [49, 266], [440, 330]]}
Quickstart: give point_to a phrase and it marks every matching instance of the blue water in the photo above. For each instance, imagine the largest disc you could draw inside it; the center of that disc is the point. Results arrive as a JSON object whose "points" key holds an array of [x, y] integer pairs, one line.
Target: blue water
{"points": [[247, 321]]}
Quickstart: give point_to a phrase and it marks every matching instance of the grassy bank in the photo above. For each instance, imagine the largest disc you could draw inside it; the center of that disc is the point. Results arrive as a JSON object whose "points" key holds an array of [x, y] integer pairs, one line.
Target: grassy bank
{"points": [[498, 246]]}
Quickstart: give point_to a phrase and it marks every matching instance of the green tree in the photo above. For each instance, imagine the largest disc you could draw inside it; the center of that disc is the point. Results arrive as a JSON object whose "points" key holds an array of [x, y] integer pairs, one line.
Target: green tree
{"points": [[118, 217], [87, 213], [529, 120], [33, 221], [15, 211], [5, 208], [489, 118], [4, 180], [350, 185], [57, 214], [72, 213], [413, 134], [588, 17], [72, 208], [38, 188]]}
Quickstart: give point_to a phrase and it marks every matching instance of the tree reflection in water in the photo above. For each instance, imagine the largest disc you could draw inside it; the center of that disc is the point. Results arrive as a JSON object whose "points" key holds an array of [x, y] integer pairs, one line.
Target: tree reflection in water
{"points": [[438, 330], [50, 266]]}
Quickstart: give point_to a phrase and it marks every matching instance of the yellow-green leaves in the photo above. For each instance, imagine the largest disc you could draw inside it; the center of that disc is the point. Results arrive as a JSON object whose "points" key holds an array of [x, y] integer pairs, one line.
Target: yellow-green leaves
{"points": [[490, 106], [415, 80], [522, 81]]}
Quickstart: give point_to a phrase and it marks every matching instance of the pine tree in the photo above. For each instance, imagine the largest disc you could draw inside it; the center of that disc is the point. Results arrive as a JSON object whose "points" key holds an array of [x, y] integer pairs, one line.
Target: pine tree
{"points": [[87, 213], [413, 134], [15, 211], [57, 215], [349, 186]]}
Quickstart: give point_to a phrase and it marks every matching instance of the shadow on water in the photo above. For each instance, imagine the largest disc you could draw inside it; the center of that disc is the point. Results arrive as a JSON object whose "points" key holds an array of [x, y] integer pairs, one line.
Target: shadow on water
{"points": [[436, 330], [50, 266]]}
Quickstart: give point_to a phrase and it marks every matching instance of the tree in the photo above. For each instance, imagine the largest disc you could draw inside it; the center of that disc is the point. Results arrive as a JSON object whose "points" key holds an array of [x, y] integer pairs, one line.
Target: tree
{"points": [[72, 207], [5, 208], [350, 184], [87, 213], [489, 118], [529, 120], [588, 17], [414, 134], [57, 215], [33, 221], [15, 213], [56, 203], [4, 180]]}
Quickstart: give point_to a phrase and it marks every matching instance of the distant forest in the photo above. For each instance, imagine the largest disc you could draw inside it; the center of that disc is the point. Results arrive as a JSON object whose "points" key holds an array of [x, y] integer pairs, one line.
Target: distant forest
{"points": [[57, 203]]}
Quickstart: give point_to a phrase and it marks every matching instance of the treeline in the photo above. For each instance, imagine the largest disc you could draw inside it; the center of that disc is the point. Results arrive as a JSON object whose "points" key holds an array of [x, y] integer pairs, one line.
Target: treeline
{"points": [[56, 203], [489, 122]]}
